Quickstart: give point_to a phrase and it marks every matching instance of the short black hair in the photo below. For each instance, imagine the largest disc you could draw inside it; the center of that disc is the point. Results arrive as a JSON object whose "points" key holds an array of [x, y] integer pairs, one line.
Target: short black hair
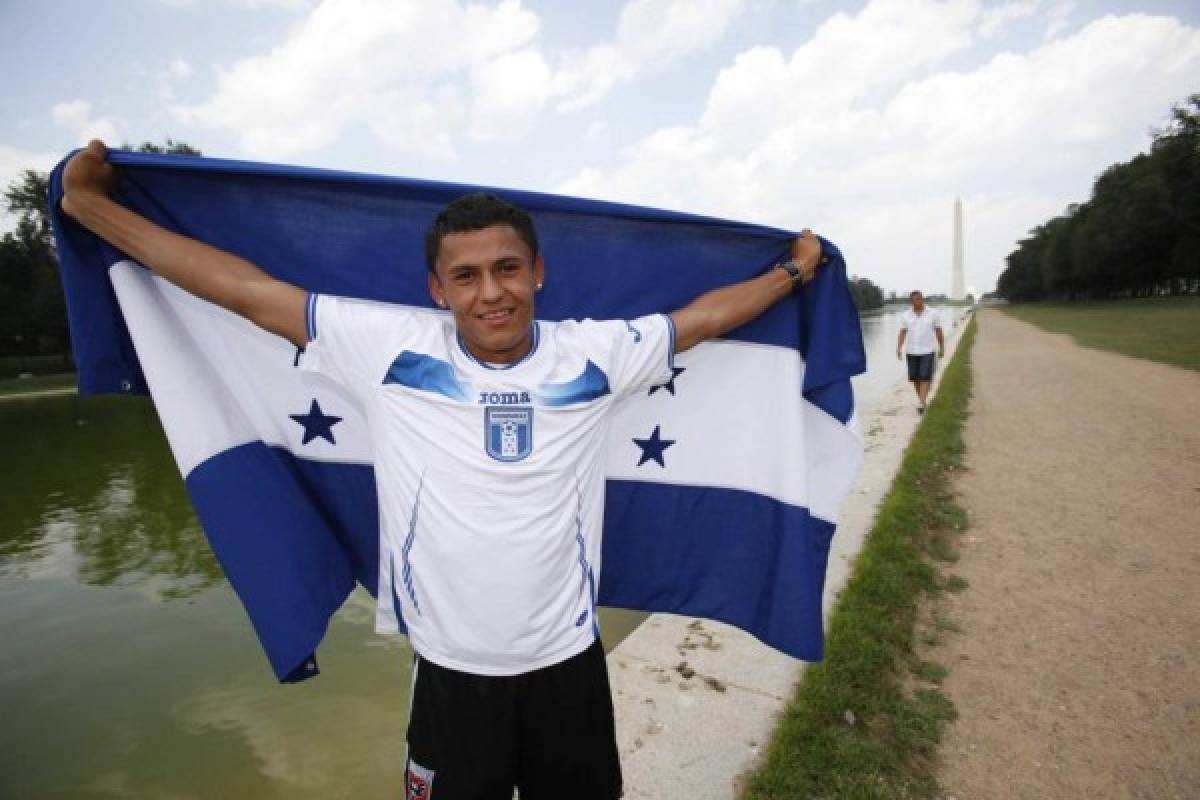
{"points": [[474, 212], [914, 293]]}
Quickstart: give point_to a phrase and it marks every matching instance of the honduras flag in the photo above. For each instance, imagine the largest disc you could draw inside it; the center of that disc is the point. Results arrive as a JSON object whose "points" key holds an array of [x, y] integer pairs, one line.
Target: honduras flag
{"points": [[723, 483]]}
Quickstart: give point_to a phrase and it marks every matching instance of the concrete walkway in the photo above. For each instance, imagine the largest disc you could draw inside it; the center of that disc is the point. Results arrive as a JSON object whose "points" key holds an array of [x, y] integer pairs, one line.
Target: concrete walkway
{"points": [[693, 738]]}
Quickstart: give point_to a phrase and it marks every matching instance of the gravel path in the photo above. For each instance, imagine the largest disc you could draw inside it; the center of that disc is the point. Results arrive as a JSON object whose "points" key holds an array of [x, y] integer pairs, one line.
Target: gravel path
{"points": [[1077, 672]]}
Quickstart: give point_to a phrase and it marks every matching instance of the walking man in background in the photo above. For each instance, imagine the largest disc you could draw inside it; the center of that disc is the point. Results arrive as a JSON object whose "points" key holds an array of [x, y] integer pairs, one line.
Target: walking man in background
{"points": [[920, 327]]}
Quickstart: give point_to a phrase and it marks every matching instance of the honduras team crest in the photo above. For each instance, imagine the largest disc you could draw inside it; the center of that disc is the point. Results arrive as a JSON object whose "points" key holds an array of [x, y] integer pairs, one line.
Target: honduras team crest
{"points": [[508, 432]]}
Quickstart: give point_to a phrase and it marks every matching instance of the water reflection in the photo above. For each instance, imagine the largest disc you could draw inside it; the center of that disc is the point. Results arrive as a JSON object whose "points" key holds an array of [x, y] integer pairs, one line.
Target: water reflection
{"points": [[128, 667], [96, 472], [286, 734]]}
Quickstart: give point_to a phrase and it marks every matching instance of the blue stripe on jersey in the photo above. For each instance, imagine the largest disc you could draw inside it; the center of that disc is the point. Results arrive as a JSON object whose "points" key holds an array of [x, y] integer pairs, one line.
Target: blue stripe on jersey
{"points": [[310, 316], [429, 374], [408, 543], [588, 385], [670, 340], [396, 609], [588, 581]]}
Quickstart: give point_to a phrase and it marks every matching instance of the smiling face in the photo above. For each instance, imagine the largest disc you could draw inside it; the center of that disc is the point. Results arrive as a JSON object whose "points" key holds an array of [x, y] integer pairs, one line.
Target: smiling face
{"points": [[488, 278]]}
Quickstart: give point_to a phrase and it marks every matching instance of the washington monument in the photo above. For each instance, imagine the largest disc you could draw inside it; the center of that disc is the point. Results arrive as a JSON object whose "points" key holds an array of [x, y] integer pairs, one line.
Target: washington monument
{"points": [[957, 288]]}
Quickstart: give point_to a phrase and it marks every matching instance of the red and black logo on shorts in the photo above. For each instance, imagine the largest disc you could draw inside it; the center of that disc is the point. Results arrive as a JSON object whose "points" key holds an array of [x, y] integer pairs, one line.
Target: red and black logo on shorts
{"points": [[418, 782]]}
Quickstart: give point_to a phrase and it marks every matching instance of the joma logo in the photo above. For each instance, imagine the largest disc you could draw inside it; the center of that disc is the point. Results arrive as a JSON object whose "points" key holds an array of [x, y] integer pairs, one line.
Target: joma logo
{"points": [[503, 398]]}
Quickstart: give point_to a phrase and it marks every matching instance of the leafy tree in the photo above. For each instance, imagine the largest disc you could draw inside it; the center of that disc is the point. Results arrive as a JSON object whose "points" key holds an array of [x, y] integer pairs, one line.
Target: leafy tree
{"points": [[33, 318], [171, 148], [1138, 234], [1131, 235], [1022, 279], [866, 294], [27, 197], [1176, 149], [1056, 268]]}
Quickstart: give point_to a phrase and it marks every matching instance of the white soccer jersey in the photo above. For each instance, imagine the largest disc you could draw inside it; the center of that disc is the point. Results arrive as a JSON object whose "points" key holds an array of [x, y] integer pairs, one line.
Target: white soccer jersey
{"points": [[490, 480]]}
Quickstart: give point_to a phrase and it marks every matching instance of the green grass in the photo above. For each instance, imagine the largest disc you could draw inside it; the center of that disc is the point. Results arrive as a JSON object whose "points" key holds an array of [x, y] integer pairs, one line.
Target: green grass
{"points": [[1165, 329], [883, 749], [38, 383], [930, 671], [955, 583]]}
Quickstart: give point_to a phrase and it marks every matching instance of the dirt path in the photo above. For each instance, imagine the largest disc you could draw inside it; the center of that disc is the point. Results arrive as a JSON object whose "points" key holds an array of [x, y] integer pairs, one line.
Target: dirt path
{"points": [[1077, 672]]}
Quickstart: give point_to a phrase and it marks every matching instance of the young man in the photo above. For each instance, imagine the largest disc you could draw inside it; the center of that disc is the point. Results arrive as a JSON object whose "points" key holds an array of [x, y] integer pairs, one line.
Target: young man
{"points": [[488, 428], [920, 328]]}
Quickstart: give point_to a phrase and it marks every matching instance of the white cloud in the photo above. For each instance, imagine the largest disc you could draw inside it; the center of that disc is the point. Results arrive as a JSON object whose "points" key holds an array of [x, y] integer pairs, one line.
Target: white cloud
{"points": [[857, 134], [847, 59], [597, 130], [423, 75], [390, 66], [996, 19], [651, 34], [508, 91], [287, 5], [1059, 17], [179, 69], [176, 71], [76, 117], [14, 161]]}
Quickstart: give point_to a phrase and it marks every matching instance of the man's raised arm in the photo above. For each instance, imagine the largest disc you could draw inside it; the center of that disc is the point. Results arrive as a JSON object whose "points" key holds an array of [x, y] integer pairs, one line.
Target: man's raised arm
{"points": [[229, 281], [721, 310]]}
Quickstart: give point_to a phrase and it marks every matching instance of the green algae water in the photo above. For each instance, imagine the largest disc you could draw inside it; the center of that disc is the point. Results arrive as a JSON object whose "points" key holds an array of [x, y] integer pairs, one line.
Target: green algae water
{"points": [[127, 665]]}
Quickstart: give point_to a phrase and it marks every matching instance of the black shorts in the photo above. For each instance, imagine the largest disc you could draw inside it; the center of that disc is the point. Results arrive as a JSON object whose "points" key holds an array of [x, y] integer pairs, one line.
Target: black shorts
{"points": [[920, 368], [549, 732]]}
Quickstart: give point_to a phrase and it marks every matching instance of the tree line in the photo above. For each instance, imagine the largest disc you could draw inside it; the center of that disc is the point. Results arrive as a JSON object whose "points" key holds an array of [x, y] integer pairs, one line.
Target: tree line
{"points": [[33, 317], [1138, 235], [865, 293]]}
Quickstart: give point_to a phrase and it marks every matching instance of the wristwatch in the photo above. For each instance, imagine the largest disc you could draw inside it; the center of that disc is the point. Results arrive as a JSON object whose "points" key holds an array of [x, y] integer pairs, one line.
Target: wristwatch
{"points": [[792, 268]]}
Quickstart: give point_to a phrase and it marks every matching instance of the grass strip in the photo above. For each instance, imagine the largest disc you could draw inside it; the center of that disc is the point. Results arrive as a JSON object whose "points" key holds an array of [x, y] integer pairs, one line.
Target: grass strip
{"points": [[865, 722], [1164, 329]]}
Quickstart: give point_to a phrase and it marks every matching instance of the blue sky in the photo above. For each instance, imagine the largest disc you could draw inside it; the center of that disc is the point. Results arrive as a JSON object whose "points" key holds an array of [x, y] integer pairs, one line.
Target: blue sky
{"points": [[862, 120]]}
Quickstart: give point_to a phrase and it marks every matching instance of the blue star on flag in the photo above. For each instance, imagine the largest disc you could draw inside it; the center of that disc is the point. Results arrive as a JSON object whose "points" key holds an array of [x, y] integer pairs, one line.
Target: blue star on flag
{"points": [[669, 385], [316, 423], [653, 447]]}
